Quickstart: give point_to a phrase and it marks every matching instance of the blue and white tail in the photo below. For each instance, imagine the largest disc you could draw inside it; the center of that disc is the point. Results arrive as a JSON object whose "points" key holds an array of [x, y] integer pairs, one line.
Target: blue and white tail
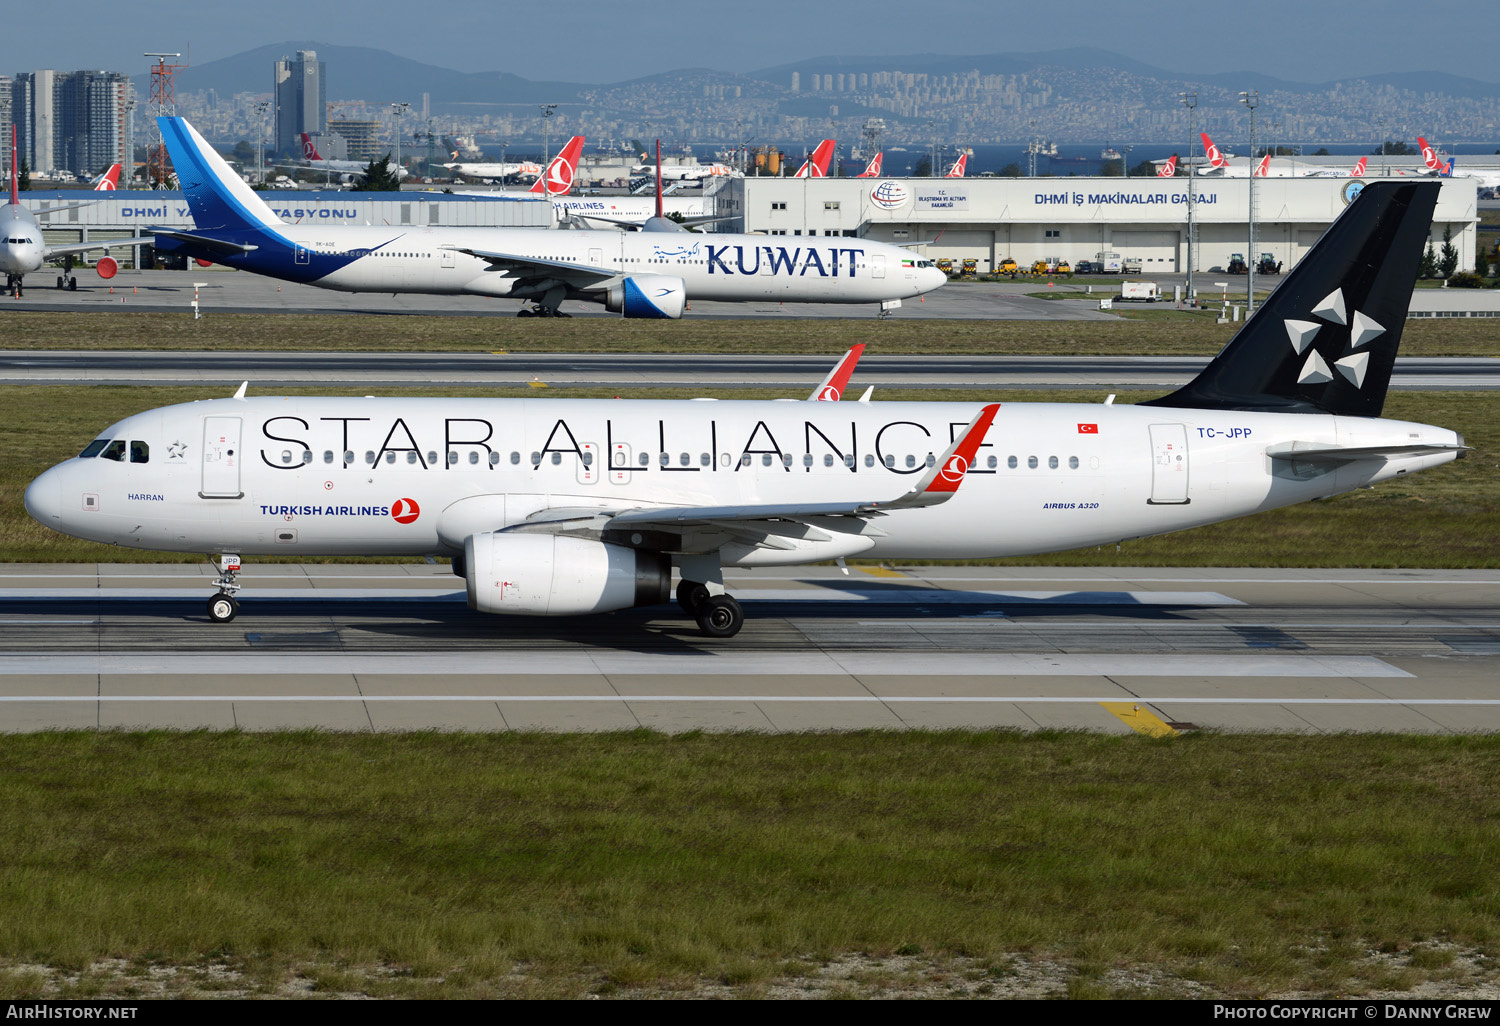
{"points": [[218, 198]]}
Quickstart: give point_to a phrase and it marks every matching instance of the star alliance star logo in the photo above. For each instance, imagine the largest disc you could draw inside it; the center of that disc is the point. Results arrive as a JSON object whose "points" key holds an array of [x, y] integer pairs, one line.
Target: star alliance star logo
{"points": [[176, 451], [1363, 329]]}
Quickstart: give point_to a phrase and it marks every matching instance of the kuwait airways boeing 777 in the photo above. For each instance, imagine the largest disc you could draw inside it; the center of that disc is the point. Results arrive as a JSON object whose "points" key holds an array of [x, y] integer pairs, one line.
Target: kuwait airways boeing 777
{"points": [[637, 274], [551, 507]]}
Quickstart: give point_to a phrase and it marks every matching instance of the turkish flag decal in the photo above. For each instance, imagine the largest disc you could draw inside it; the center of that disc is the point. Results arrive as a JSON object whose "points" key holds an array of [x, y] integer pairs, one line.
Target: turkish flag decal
{"points": [[1088, 429]]}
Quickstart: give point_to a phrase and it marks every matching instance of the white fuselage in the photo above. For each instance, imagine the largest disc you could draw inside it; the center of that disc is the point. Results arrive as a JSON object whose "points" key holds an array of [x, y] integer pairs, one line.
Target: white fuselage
{"points": [[358, 258], [21, 246], [385, 476]]}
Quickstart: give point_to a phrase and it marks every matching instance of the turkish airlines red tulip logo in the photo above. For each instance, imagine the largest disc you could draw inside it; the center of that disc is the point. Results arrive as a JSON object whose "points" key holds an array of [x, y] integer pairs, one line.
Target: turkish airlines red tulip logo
{"points": [[405, 511], [829, 394], [955, 469], [560, 177]]}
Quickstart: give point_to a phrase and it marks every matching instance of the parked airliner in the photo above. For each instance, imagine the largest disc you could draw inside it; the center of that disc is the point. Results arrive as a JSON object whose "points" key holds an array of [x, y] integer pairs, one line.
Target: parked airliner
{"points": [[24, 251], [637, 274], [558, 507], [347, 170]]}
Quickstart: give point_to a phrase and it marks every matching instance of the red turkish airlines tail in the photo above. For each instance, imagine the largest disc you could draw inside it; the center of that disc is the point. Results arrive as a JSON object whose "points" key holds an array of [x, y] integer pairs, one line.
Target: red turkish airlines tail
{"points": [[957, 170], [558, 181], [1429, 155], [1263, 169], [873, 171], [1169, 169], [308, 149], [1359, 169], [109, 181], [1215, 158], [816, 166], [832, 388]]}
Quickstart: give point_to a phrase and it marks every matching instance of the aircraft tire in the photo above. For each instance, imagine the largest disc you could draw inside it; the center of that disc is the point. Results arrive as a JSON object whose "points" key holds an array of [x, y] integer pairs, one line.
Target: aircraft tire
{"points": [[524, 312], [690, 596], [222, 608], [60, 282], [72, 284], [720, 617]]}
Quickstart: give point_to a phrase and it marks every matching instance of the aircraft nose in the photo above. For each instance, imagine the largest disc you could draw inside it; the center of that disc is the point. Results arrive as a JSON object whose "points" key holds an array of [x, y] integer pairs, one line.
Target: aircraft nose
{"points": [[44, 498]]}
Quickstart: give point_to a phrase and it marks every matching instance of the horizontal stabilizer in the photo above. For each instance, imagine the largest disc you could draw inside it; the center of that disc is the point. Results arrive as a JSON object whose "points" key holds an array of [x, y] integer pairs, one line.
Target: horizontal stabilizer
{"points": [[204, 242], [1318, 453]]}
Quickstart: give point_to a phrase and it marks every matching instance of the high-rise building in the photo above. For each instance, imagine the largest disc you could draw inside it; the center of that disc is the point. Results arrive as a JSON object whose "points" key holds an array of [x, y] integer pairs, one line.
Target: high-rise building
{"points": [[301, 94], [90, 120], [68, 120]]}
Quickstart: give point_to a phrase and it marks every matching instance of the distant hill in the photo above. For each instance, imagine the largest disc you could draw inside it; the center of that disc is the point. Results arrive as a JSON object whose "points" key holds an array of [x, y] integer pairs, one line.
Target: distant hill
{"points": [[363, 73]]}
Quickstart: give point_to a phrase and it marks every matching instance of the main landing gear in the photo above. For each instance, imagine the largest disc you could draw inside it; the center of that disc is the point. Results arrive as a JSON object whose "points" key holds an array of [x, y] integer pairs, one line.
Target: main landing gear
{"points": [[717, 613], [541, 311], [67, 281], [223, 607]]}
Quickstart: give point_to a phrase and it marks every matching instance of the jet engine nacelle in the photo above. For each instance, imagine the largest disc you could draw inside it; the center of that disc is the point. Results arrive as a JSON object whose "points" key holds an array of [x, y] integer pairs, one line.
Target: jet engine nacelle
{"points": [[551, 575], [647, 295], [107, 267]]}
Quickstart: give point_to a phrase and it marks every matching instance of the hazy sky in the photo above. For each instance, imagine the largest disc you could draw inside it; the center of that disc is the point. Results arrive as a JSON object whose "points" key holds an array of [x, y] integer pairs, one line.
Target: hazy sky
{"points": [[606, 41]]}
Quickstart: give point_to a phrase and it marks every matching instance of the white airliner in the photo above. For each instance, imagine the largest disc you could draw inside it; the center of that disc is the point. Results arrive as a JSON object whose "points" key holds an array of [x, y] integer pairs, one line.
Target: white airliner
{"points": [[347, 170], [492, 171], [24, 251], [558, 507], [1445, 169], [651, 273]]}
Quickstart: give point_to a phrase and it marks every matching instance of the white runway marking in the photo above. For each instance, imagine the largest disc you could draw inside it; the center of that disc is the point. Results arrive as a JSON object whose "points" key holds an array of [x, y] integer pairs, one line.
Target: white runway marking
{"points": [[899, 593], [872, 699], [785, 664]]}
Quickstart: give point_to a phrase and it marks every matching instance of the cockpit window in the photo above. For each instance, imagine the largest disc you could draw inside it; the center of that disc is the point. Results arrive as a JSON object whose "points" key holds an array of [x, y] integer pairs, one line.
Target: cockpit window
{"points": [[140, 452], [93, 448], [114, 451]]}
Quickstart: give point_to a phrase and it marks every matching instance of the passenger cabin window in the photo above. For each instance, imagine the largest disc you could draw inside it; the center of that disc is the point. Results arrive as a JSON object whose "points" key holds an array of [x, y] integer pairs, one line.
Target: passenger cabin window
{"points": [[114, 451]]}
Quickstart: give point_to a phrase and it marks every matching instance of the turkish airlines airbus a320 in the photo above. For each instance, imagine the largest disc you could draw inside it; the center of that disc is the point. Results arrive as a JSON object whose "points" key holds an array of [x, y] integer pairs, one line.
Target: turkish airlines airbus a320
{"points": [[552, 507]]}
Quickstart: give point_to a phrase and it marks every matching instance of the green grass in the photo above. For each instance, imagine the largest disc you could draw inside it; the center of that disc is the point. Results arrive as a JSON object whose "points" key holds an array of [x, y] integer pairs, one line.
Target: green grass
{"points": [[1447, 517], [527, 864], [1165, 333]]}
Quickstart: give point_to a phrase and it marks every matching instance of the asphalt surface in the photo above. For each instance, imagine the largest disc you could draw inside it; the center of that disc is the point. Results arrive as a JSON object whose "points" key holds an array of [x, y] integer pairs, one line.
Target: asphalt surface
{"points": [[394, 647], [798, 374], [226, 291]]}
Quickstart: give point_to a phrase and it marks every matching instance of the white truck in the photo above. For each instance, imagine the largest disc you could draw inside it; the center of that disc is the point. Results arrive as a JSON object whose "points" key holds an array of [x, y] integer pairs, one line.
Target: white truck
{"points": [[1140, 291]]}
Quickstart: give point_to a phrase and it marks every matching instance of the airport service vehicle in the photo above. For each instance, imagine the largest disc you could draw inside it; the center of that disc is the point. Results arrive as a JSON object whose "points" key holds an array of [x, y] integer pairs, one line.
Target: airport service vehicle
{"points": [[23, 250], [636, 274], [560, 507], [1008, 266], [1140, 291]]}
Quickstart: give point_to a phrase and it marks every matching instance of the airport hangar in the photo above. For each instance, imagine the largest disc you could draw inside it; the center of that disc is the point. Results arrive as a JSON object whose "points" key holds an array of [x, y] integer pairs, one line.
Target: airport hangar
{"points": [[1073, 219], [127, 214]]}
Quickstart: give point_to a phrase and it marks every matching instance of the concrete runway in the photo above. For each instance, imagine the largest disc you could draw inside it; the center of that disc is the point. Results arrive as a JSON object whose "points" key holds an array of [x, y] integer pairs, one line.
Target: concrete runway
{"points": [[229, 291], [797, 374], [393, 647]]}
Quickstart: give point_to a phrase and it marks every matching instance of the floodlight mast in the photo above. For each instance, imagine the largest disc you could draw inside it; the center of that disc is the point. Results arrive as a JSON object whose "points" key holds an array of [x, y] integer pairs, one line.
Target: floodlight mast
{"points": [[1190, 100], [1251, 100]]}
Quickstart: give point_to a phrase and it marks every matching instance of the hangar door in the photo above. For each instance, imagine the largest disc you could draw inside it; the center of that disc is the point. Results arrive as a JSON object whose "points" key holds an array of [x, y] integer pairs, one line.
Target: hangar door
{"points": [[959, 246], [1156, 251]]}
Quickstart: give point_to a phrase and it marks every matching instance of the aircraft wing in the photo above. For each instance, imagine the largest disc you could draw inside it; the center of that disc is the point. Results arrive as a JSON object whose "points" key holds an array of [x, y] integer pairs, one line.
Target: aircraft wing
{"points": [[939, 484], [518, 262], [84, 247]]}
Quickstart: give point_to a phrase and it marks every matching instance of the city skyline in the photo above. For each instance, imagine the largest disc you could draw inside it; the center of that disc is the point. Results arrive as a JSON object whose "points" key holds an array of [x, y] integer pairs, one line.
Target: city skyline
{"points": [[602, 42]]}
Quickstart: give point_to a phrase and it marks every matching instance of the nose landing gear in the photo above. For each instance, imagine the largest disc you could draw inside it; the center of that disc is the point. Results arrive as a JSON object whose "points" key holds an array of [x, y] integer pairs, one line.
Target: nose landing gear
{"points": [[223, 607]]}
